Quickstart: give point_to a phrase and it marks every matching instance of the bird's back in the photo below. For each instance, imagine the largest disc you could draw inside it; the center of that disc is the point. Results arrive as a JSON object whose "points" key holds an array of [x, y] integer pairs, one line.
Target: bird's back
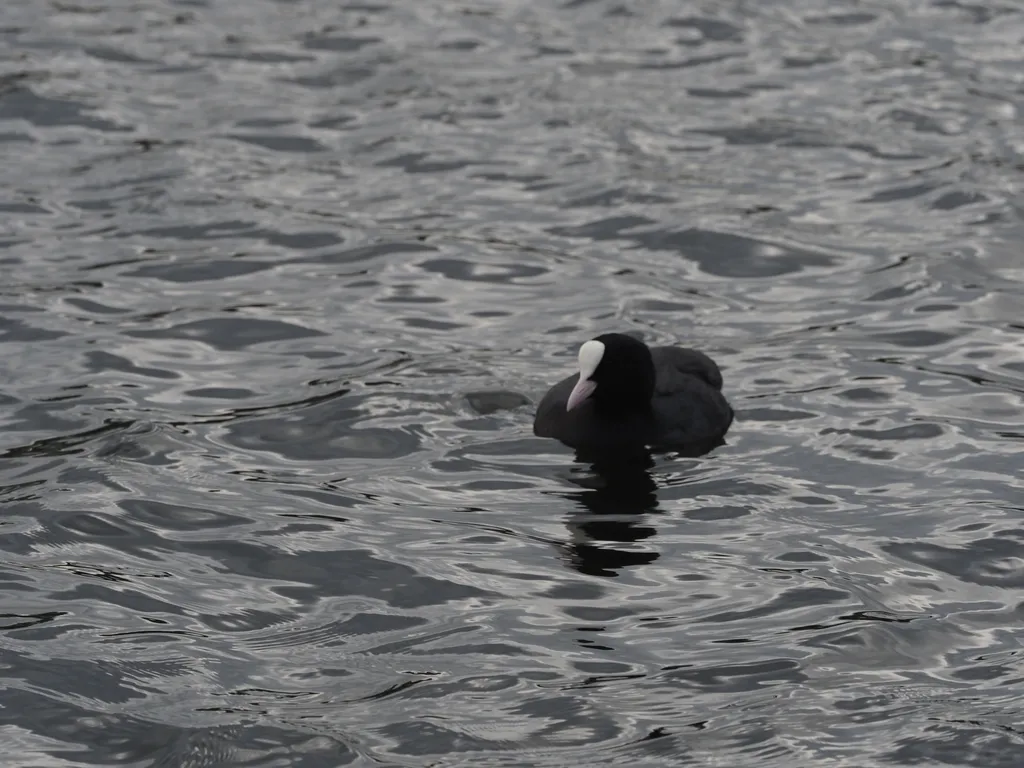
{"points": [[688, 403]]}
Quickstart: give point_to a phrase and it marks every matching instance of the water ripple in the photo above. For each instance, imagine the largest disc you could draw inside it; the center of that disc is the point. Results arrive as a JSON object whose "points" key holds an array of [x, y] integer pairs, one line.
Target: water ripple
{"points": [[284, 281]]}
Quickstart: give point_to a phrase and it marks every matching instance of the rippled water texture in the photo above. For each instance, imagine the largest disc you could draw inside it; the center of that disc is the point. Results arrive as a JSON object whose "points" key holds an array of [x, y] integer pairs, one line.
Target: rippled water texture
{"points": [[283, 281]]}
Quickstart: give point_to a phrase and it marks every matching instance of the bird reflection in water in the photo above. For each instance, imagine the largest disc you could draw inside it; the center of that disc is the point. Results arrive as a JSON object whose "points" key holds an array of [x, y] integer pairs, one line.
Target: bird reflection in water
{"points": [[616, 500]]}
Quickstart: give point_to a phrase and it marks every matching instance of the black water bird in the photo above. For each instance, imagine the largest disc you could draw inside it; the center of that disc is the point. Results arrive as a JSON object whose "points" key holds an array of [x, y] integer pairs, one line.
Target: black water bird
{"points": [[628, 397]]}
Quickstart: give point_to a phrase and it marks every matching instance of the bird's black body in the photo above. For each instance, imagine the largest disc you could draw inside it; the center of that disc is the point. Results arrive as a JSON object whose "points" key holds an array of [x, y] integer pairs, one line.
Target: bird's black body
{"points": [[662, 398]]}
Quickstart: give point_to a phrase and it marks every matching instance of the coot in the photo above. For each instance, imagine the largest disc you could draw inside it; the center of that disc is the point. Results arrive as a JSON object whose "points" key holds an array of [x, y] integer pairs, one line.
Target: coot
{"points": [[628, 397]]}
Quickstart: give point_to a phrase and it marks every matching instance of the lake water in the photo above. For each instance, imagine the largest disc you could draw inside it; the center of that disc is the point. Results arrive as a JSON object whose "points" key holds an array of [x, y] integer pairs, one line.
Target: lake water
{"points": [[284, 280]]}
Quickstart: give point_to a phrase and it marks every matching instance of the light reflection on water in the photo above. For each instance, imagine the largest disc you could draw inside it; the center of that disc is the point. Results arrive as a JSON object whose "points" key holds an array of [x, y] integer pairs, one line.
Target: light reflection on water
{"points": [[285, 280]]}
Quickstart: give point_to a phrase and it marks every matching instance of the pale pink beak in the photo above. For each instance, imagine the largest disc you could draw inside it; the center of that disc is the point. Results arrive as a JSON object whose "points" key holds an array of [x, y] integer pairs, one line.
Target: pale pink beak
{"points": [[584, 388]]}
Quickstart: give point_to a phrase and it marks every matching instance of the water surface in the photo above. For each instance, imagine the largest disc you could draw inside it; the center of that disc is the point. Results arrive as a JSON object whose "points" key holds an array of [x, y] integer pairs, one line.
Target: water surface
{"points": [[283, 281]]}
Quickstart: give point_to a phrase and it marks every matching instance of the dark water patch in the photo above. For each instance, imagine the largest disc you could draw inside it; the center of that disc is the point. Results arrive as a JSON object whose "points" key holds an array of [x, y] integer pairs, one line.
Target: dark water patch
{"points": [[95, 307], [231, 334], [259, 57], [14, 330], [161, 515], [277, 143], [610, 198], [123, 739], [22, 207], [371, 252], [337, 77], [198, 272], [733, 677], [900, 193], [771, 414], [709, 29], [323, 574], [42, 418], [486, 403], [962, 742], [221, 393], [113, 55], [417, 162], [842, 19], [338, 43], [712, 514], [717, 253], [791, 600], [98, 362], [801, 557], [44, 112], [992, 561], [324, 432], [670, 307], [771, 132], [908, 432]]}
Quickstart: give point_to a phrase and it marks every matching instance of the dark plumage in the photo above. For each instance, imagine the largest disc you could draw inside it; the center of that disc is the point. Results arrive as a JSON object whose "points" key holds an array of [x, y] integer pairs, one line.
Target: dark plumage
{"points": [[636, 397]]}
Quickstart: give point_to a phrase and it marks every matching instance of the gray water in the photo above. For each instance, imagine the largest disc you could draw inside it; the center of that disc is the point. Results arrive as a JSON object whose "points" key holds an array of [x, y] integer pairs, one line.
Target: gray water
{"points": [[282, 282]]}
